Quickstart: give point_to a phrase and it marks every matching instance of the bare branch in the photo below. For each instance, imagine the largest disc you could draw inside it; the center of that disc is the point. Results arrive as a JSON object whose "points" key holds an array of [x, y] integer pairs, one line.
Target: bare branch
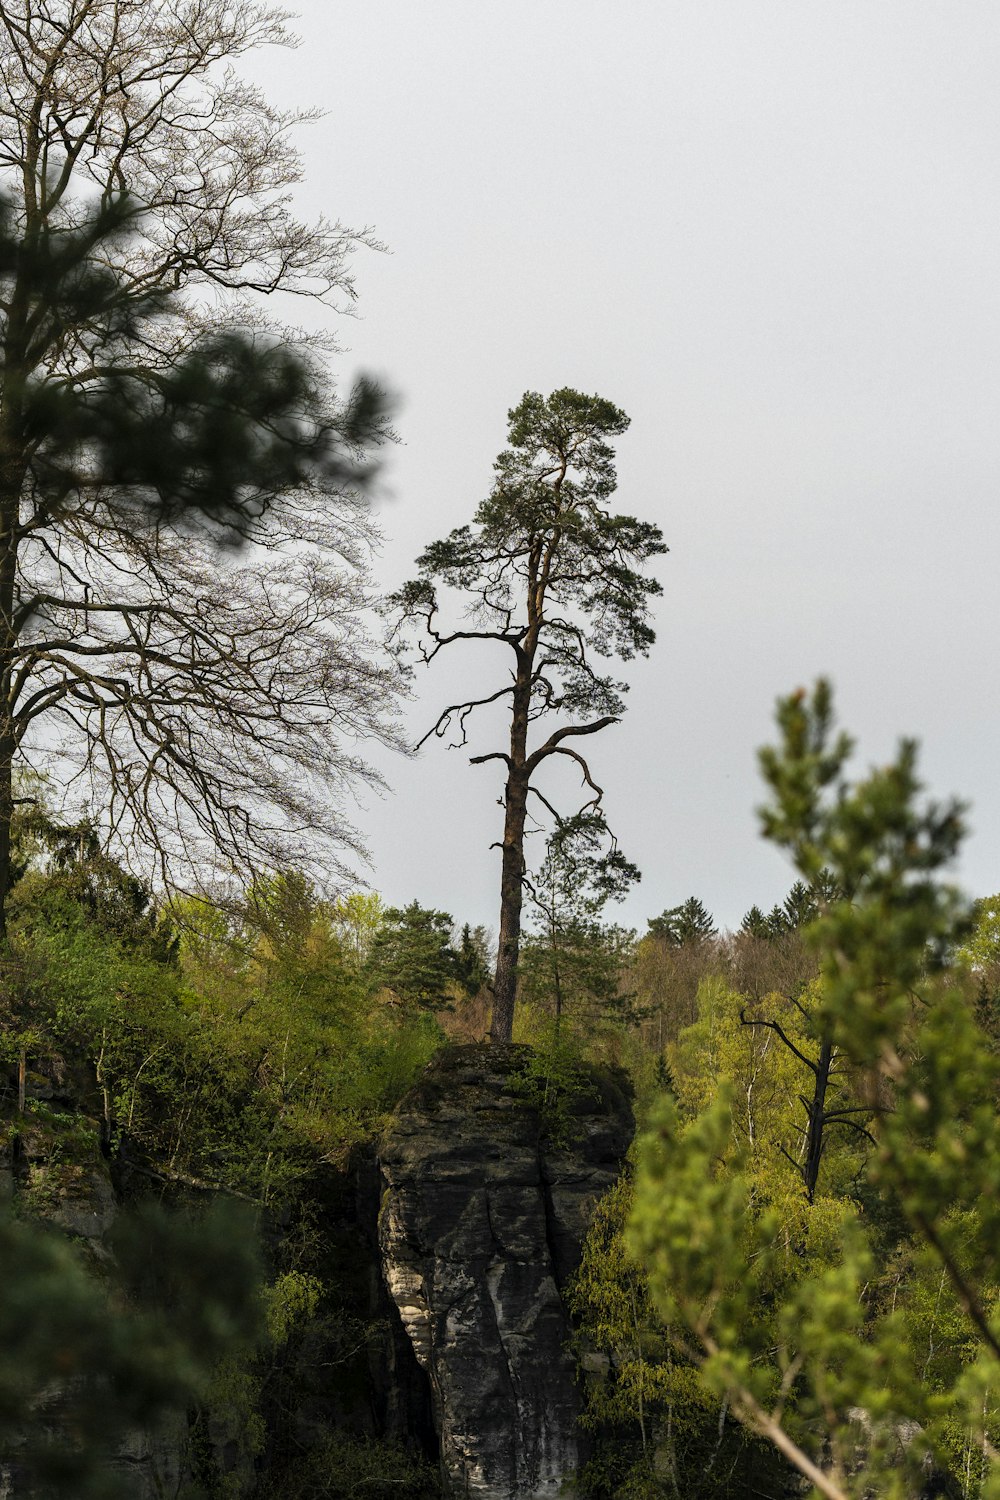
{"points": [[785, 1038], [212, 710], [550, 809], [552, 744], [480, 760], [462, 711], [574, 755]]}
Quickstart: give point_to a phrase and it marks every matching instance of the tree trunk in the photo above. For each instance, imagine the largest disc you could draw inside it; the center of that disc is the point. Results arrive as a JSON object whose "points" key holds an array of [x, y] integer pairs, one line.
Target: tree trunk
{"points": [[6, 812], [512, 867], [816, 1111], [511, 895], [8, 561]]}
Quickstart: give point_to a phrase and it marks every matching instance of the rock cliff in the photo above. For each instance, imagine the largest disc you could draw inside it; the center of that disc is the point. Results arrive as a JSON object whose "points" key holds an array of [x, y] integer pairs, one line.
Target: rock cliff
{"points": [[482, 1221]]}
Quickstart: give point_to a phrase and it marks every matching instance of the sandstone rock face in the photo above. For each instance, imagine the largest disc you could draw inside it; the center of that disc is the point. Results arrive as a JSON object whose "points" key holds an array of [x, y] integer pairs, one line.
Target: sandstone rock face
{"points": [[480, 1225]]}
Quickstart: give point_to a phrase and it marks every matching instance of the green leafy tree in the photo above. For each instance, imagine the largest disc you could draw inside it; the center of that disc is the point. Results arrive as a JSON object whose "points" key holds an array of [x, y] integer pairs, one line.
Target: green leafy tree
{"points": [[555, 579], [575, 974], [242, 1057], [845, 1342], [290, 1058], [827, 1098], [71, 859], [358, 917], [981, 949], [655, 1427], [148, 414], [979, 958]]}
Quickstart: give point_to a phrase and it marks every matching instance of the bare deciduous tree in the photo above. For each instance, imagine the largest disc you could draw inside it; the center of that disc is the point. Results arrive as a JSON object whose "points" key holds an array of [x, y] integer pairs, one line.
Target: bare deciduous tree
{"points": [[208, 700]]}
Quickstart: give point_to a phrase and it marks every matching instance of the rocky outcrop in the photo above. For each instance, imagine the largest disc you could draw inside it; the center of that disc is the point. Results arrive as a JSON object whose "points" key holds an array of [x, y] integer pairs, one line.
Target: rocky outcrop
{"points": [[448, 1337], [482, 1221]]}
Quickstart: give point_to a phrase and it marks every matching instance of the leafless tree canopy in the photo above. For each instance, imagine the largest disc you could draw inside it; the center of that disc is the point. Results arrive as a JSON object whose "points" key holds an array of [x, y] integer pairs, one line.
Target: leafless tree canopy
{"points": [[209, 703], [140, 96]]}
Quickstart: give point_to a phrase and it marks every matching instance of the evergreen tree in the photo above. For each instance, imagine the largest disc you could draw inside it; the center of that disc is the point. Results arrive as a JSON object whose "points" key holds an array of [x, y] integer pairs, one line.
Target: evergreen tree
{"points": [[572, 960], [554, 578], [690, 922], [472, 960], [799, 905], [803, 904], [412, 955], [755, 924], [778, 925]]}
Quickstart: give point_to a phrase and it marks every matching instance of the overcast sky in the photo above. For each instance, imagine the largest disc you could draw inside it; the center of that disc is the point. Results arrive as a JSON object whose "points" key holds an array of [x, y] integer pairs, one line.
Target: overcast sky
{"points": [[771, 233]]}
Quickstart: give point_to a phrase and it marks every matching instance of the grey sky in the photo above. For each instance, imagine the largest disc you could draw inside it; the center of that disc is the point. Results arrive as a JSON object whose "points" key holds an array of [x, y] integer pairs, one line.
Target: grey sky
{"points": [[770, 232]]}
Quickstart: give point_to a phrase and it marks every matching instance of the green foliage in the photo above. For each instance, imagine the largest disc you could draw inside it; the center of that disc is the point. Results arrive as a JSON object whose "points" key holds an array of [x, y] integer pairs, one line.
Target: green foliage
{"points": [[69, 861], [215, 436], [472, 960], [571, 963], [291, 1301], [595, 557], [295, 1060], [550, 575], [583, 869], [412, 955], [239, 1045], [718, 1050], [755, 923], [246, 1052], [555, 1078], [656, 1427], [664, 981], [981, 949], [801, 906], [573, 971], [357, 918], [978, 959], [141, 429], [787, 1306]]}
